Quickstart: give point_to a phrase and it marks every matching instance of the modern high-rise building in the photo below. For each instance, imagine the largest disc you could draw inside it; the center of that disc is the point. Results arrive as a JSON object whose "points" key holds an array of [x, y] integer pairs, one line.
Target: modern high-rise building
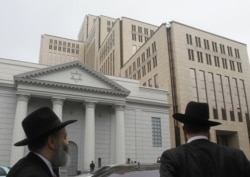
{"points": [[190, 63], [193, 64]]}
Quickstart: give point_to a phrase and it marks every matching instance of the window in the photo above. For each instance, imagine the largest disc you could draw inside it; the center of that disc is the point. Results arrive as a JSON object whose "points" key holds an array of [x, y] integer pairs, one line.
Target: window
{"points": [[222, 48], [211, 89], [194, 84], [224, 63], [229, 50], [198, 41], [216, 61], [228, 96], [148, 52], [237, 53], [143, 57], [154, 47], [154, 61], [200, 57], [214, 44], [134, 66], [239, 67], [232, 65], [208, 57], [151, 32], [134, 37], [139, 29], [140, 38], [143, 70], [220, 95], [203, 87], [51, 41], [156, 132], [130, 70], [149, 66], [189, 39], [190, 54], [156, 81], [138, 62], [206, 44]]}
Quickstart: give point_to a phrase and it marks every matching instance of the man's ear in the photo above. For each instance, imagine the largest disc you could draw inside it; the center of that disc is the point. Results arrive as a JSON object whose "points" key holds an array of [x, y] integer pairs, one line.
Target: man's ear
{"points": [[51, 142]]}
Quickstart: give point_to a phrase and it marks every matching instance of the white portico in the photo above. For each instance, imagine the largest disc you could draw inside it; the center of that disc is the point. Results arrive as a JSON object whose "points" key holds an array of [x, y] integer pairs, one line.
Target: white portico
{"points": [[73, 83], [118, 121]]}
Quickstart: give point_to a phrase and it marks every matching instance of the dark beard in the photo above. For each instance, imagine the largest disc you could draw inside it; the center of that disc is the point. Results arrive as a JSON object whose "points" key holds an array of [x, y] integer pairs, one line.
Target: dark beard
{"points": [[60, 157]]}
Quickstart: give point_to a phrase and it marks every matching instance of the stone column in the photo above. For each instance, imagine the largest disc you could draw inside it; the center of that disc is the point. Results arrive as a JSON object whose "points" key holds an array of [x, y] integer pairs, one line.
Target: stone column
{"points": [[120, 135], [18, 132], [58, 107], [89, 135]]}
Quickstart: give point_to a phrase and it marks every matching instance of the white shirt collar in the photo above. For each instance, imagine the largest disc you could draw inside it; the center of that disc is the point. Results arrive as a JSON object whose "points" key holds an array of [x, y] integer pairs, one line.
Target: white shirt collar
{"points": [[196, 138], [46, 162]]}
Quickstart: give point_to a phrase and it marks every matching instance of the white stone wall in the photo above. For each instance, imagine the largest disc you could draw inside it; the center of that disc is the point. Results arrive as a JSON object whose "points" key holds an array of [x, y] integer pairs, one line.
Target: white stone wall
{"points": [[7, 114], [138, 130]]}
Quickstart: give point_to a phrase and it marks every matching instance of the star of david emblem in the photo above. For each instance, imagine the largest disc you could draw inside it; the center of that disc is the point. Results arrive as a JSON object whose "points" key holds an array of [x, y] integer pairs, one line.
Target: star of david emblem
{"points": [[76, 76]]}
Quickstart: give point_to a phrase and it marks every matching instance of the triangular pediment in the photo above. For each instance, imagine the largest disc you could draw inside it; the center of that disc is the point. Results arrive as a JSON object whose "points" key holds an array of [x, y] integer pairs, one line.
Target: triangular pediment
{"points": [[73, 75]]}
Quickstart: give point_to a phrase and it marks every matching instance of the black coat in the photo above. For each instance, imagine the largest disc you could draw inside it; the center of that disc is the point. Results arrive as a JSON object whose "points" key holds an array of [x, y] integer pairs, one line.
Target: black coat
{"points": [[202, 158], [30, 166]]}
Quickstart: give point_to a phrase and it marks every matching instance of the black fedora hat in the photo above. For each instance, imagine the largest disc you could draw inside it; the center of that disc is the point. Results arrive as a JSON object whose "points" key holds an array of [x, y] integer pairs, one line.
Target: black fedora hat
{"points": [[196, 113], [40, 123]]}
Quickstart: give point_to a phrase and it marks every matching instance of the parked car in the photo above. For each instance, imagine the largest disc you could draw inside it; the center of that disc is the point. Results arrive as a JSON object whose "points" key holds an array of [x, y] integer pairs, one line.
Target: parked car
{"points": [[126, 170], [4, 171]]}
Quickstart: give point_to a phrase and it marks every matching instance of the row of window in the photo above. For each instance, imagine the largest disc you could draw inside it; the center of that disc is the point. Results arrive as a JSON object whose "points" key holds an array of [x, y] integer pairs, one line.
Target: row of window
{"points": [[214, 46], [225, 93], [107, 67], [150, 82], [146, 55], [107, 47], [141, 34], [63, 43], [64, 49], [215, 59]]}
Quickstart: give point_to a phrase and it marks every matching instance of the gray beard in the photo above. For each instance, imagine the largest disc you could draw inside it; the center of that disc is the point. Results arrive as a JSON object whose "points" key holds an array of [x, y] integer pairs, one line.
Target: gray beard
{"points": [[60, 157]]}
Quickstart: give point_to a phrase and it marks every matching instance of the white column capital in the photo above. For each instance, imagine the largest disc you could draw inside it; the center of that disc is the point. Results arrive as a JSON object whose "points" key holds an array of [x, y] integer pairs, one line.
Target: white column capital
{"points": [[58, 101], [119, 107], [90, 104], [21, 97]]}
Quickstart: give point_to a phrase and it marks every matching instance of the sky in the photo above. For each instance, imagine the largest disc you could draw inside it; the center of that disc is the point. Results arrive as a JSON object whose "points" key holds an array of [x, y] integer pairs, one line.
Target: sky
{"points": [[22, 22]]}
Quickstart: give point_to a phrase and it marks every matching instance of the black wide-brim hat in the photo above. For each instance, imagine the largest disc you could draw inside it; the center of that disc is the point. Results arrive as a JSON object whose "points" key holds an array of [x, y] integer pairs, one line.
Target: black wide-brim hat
{"points": [[40, 123], [197, 114]]}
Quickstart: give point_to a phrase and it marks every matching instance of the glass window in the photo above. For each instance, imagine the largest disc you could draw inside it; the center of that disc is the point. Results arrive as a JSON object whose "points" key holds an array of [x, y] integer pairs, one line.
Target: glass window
{"points": [[156, 132]]}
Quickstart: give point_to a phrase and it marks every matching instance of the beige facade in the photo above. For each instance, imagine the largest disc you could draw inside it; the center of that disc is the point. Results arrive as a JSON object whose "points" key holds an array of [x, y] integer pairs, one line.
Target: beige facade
{"points": [[196, 65], [190, 63], [56, 50]]}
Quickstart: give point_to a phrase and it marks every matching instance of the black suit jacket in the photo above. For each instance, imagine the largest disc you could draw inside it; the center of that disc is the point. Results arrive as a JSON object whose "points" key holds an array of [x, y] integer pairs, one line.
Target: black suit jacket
{"points": [[202, 158], [30, 166]]}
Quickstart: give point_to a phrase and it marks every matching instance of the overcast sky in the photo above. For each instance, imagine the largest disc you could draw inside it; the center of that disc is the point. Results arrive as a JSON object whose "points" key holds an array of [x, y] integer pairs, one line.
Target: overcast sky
{"points": [[22, 22]]}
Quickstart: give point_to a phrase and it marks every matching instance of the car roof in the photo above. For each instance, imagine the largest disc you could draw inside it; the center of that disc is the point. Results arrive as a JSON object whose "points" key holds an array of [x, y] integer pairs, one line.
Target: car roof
{"points": [[123, 168]]}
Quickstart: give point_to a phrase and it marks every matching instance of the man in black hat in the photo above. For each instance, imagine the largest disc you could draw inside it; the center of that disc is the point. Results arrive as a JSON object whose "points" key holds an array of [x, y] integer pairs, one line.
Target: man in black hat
{"points": [[47, 141], [200, 157]]}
